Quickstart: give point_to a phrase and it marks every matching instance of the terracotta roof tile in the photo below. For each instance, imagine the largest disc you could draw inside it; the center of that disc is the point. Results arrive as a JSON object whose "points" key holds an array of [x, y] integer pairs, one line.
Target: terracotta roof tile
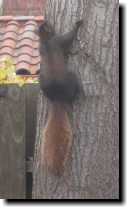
{"points": [[23, 65], [35, 60], [24, 58], [36, 44], [11, 22], [29, 27], [6, 55], [33, 69], [39, 18], [35, 53], [19, 43], [2, 30], [12, 27], [6, 49], [8, 42], [28, 34], [11, 35], [23, 18], [24, 49], [32, 22], [23, 42], [6, 18]]}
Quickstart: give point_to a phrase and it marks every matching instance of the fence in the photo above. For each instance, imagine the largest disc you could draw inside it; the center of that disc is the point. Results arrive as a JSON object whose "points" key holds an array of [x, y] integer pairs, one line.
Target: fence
{"points": [[18, 110]]}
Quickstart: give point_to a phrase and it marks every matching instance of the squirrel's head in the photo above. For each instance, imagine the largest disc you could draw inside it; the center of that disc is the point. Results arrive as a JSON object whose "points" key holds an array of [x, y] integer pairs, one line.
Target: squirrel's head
{"points": [[45, 30]]}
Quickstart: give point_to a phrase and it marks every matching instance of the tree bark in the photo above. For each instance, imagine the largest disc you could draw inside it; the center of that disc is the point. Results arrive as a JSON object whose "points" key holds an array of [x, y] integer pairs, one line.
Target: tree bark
{"points": [[92, 171]]}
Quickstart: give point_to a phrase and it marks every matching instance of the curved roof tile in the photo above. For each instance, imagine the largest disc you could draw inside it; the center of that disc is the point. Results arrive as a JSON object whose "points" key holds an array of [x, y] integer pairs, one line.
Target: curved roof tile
{"points": [[8, 42], [13, 22], [24, 50], [22, 65], [12, 27], [24, 42], [26, 34], [7, 50], [32, 22], [19, 42]]}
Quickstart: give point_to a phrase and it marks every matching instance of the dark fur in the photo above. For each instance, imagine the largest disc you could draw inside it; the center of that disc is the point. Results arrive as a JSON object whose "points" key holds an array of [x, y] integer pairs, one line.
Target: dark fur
{"points": [[64, 91], [56, 82], [61, 87]]}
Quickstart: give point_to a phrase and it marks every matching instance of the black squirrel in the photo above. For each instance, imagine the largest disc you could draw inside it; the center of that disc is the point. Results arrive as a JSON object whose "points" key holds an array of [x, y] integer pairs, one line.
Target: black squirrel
{"points": [[61, 88]]}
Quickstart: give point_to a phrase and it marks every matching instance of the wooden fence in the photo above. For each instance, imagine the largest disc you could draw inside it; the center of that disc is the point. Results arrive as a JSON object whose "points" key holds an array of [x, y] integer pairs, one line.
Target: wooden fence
{"points": [[18, 110]]}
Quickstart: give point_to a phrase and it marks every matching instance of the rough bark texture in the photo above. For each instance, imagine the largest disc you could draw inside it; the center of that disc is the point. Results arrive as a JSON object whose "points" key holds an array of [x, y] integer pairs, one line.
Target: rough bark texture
{"points": [[93, 167]]}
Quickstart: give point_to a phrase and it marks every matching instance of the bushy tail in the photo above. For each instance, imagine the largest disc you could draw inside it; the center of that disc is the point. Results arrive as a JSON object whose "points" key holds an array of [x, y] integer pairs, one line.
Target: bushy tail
{"points": [[56, 141]]}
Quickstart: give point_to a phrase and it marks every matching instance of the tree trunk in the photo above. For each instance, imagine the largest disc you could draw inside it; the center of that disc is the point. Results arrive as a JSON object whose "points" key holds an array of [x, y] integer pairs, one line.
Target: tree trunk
{"points": [[92, 171]]}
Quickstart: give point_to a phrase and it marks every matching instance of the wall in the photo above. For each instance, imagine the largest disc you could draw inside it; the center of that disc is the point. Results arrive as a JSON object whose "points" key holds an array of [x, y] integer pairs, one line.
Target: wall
{"points": [[23, 8]]}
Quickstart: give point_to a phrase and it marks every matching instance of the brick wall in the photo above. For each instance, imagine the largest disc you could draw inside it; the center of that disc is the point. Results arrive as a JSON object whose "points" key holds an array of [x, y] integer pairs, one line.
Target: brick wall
{"points": [[23, 7]]}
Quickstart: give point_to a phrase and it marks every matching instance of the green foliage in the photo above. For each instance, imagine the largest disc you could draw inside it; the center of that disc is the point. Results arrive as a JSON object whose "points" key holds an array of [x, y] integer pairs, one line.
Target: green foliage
{"points": [[0, 10], [7, 74]]}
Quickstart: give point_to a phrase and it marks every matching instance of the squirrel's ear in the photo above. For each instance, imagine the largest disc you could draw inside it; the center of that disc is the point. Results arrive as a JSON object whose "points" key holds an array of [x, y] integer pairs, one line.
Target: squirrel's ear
{"points": [[47, 28], [36, 30]]}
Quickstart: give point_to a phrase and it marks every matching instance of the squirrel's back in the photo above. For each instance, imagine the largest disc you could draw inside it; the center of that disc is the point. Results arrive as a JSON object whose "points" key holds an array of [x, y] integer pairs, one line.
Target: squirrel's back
{"points": [[64, 91], [57, 83], [56, 141]]}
